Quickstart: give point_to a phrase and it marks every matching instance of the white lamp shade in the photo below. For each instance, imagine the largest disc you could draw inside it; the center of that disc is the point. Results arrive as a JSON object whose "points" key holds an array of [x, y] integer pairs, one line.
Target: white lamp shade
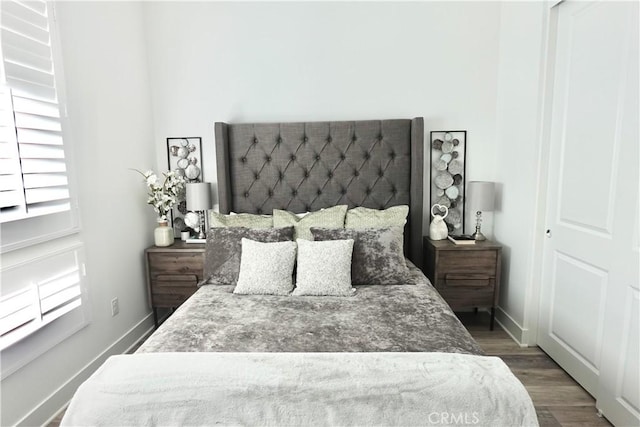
{"points": [[481, 195], [198, 196]]}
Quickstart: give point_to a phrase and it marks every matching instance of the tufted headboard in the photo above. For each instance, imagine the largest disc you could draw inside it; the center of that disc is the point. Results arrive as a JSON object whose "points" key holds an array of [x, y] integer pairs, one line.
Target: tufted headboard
{"points": [[304, 167]]}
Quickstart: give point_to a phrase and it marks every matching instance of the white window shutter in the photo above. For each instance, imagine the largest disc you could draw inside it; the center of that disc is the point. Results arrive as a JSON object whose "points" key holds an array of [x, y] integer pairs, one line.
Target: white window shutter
{"points": [[39, 303], [17, 310], [30, 76], [11, 187]]}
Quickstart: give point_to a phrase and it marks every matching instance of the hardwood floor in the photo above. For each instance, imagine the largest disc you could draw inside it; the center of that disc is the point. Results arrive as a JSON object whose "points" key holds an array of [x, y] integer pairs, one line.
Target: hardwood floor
{"points": [[558, 399]]}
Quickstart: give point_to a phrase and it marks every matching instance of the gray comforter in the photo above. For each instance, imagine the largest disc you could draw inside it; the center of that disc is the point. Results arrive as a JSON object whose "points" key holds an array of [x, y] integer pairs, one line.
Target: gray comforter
{"points": [[400, 318]]}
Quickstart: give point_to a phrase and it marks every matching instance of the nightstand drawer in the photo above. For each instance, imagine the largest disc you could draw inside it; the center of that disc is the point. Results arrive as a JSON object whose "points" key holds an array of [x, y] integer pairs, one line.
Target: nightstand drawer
{"points": [[170, 299], [467, 262], [467, 280], [175, 264], [172, 290], [467, 297]]}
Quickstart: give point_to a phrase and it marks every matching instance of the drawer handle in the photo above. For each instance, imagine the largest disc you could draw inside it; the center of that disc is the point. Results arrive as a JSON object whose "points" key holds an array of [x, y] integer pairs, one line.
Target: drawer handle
{"points": [[456, 279], [177, 278]]}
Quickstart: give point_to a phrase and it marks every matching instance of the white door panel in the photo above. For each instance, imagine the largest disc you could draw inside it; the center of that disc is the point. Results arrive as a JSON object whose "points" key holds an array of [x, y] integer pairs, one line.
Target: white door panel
{"points": [[629, 389], [574, 328], [594, 68], [589, 296]]}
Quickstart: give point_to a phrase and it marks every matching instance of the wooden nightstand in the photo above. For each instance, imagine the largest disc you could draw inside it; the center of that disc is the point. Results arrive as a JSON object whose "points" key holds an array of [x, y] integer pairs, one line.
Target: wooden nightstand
{"points": [[467, 276], [173, 273]]}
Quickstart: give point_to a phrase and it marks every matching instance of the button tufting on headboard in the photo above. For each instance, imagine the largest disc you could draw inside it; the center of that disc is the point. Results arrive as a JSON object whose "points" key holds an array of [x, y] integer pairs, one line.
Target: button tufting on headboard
{"points": [[308, 166]]}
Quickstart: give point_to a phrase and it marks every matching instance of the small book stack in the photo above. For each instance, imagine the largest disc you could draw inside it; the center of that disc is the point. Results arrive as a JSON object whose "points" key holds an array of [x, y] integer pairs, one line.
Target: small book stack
{"points": [[463, 239], [195, 240]]}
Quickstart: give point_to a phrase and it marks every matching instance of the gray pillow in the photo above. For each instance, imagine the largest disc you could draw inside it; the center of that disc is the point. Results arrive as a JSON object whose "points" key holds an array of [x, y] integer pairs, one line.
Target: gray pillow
{"points": [[395, 216], [378, 257], [224, 246], [324, 268], [240, 220], [266, 268], [332, 217]]}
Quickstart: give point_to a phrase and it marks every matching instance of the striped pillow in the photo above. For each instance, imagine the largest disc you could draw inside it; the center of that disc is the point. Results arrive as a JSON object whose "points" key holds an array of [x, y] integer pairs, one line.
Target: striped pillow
{"points": [[329, 218], [395, 216]]}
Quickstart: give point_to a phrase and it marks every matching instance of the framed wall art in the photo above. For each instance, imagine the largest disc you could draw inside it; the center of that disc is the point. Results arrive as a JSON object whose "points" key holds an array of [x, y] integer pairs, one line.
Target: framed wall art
{"points": [[448, 176], [185, 158]]}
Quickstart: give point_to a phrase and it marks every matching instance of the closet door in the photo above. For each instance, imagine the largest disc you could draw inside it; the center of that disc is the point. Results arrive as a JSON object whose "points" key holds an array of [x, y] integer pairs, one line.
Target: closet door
{"points": [[618, 395], [589, 296]]}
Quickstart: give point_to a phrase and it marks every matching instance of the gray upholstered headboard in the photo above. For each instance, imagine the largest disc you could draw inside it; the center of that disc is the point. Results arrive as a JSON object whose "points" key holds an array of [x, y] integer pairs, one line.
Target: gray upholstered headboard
{"points": [[304, 167]]}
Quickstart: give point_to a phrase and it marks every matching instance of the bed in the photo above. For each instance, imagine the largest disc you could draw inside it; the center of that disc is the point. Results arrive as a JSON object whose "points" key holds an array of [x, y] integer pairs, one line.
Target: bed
{"points": [[386, 354]]}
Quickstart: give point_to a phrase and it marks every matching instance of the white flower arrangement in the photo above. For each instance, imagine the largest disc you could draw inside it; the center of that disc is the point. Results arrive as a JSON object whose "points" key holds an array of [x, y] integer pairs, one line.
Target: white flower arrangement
{"points": [[166, 194]]}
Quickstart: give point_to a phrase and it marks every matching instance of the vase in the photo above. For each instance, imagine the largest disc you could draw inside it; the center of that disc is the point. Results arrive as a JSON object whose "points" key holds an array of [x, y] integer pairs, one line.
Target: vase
{"points": [[163, 234]]}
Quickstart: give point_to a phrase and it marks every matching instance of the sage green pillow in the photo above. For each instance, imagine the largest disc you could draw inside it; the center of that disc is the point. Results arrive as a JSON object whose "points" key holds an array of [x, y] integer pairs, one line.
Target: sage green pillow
{"points": [[332, 217], [240, 220], [395, 216]]}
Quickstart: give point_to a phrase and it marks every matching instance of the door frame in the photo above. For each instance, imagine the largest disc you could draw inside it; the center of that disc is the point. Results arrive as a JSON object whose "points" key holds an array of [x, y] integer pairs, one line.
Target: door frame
{"points": [[545, 104]]}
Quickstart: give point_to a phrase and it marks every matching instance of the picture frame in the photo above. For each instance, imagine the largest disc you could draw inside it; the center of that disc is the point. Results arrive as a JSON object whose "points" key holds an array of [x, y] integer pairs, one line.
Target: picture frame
{"points": [[184, 156], [448, 176]]}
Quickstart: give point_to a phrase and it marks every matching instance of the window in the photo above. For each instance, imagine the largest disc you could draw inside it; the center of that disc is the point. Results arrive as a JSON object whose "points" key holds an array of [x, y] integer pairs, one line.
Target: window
{"points": [[33, 181], [42, 272], [51, 289]]}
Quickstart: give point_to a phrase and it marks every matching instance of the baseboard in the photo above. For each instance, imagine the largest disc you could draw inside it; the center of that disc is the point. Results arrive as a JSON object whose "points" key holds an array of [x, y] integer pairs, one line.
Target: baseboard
{"points": [[49, 408], [511, 327]]}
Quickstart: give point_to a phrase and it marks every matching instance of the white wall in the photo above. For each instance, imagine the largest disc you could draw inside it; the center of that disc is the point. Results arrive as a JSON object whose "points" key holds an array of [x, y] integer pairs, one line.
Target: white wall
{"points": [[523, 30], [234, 62], [110, 113]]}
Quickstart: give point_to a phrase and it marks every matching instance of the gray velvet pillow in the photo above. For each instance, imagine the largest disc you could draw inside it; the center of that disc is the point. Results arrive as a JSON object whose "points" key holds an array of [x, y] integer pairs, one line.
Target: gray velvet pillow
{"points": [[378, 257], [266, 268], [224, 246], [324, 268]]}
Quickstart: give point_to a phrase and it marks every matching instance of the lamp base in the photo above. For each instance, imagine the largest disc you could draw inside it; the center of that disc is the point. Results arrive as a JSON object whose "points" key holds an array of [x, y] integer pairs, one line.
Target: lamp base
{"points": [[202, 235], [478, 236]]}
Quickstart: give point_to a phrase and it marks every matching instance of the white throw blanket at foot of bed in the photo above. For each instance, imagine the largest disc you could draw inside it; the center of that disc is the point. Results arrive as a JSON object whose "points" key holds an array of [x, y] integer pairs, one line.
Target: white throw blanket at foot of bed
{"points": [[300, 389]]}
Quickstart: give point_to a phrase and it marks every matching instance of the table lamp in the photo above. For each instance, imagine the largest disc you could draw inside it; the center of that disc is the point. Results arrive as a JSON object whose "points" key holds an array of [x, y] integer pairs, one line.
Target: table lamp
{"points": [[199, 200], [482, 196]]}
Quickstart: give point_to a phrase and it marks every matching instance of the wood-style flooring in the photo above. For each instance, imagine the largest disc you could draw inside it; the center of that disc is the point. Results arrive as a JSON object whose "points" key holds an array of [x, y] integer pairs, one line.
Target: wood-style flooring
{"points": [[558, 399]]}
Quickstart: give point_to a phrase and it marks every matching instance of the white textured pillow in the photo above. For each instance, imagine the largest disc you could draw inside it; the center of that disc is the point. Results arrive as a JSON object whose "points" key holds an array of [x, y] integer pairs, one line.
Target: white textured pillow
{"points": [[324, 268], [266, 268]]}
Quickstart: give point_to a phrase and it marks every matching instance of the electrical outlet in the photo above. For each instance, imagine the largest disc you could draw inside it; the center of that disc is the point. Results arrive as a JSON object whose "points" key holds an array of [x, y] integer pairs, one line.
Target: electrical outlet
{"points": [[115, 306]]}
